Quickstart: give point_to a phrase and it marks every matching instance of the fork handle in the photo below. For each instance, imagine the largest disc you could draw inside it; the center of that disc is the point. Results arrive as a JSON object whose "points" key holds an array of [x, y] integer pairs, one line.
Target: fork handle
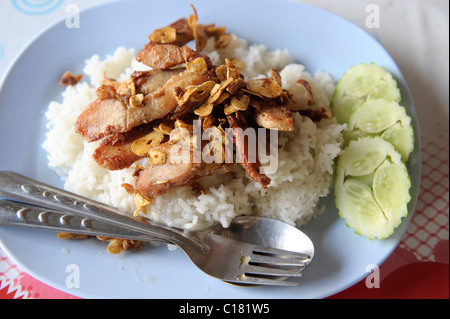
{"points": [[30, 216], [21, 188]]}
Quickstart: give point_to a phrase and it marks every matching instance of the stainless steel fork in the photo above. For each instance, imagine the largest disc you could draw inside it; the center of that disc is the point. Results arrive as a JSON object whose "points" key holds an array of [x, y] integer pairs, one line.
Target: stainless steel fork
{"points": [[227, 259]]}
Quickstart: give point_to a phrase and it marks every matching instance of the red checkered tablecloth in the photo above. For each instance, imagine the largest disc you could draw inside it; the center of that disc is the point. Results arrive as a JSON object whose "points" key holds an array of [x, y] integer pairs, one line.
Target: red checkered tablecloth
{"points": [[16, 284]]}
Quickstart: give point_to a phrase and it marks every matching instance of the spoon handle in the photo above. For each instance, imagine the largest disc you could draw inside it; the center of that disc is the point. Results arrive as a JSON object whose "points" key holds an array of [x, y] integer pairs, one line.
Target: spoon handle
{"points": [[30, 216], [21, 188]]}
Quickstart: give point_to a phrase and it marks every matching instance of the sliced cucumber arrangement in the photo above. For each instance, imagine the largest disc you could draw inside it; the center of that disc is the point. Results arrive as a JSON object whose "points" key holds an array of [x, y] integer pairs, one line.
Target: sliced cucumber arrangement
{"points": [[372, 182]]}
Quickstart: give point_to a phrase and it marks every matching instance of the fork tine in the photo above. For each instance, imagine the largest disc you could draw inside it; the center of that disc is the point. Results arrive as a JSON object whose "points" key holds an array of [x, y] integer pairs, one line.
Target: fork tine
{"points": [[254, 280], [279, 252], [278, 261], [272, 271]]}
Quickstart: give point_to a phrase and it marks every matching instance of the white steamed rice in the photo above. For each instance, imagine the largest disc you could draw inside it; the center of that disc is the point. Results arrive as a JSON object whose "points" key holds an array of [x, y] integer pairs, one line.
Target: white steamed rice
{"points": [[306, 156]]}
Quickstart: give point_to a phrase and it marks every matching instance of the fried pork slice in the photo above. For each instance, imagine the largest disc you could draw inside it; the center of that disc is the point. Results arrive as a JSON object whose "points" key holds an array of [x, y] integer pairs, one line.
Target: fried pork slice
{"points": [[115, 153], [150, 81], [110, 113], [103, 117], [279, 118], [178, 170], [252, 168], [164, 56], [272, 105]]}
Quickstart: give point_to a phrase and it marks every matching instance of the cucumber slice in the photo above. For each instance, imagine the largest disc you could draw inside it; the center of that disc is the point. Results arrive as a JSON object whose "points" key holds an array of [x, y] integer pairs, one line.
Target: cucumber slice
{"points": [[368, 179], [402, 137], [361, 211], [355, 135], [391, 186], [363, 156], [378, 115], [362, 83], [342, 106]]}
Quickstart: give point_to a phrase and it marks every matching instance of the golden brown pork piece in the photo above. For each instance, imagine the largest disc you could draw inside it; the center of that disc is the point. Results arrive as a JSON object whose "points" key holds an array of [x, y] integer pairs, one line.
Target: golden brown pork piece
{"points": [[114, 113], [279, 118], [150, 81], [164, 56], [178, 169], [115, 153]]}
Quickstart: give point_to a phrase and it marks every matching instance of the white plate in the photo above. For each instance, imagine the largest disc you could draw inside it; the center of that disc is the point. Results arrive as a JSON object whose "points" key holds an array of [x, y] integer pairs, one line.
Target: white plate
{"points": [[316, 38]]}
